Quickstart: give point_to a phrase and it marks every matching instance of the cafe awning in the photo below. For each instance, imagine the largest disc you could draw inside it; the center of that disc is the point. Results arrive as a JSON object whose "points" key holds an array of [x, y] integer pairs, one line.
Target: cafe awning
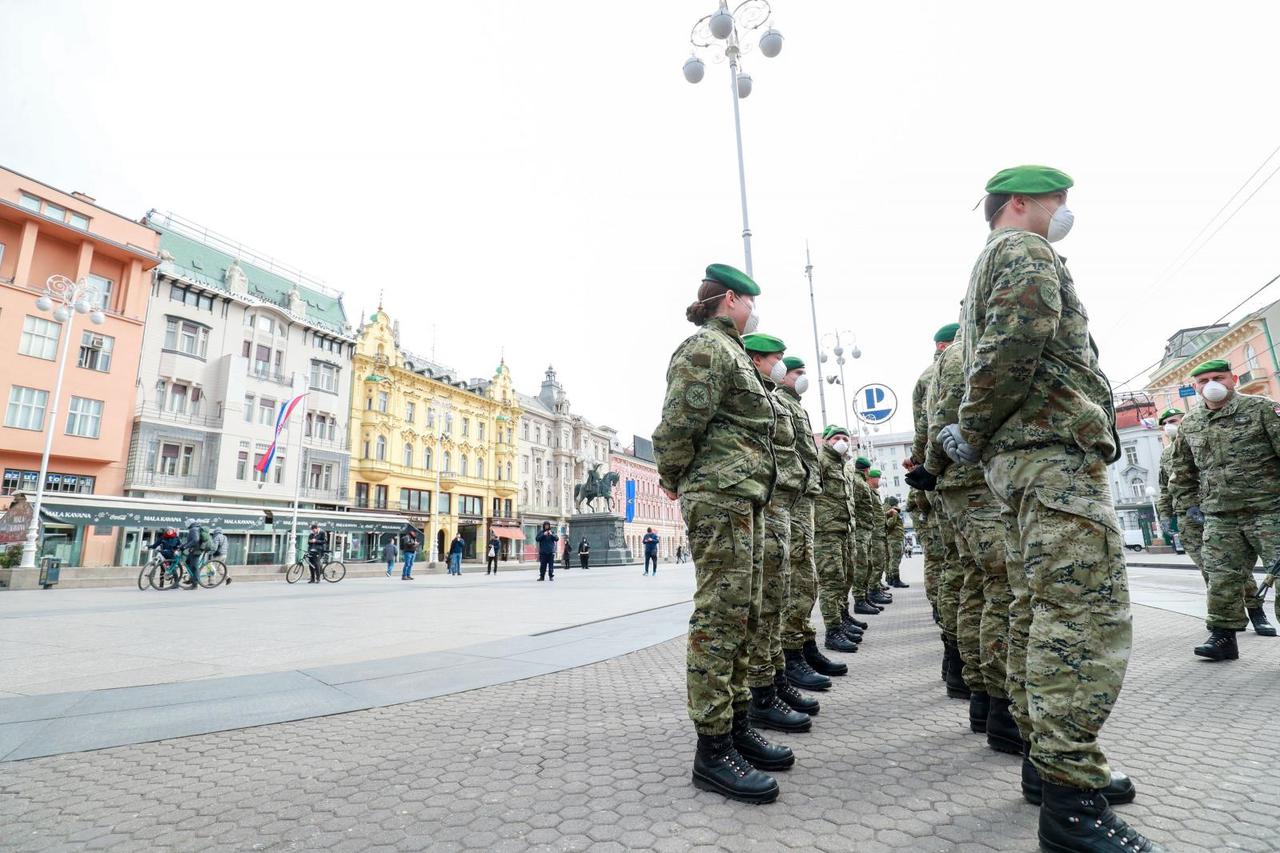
{"points": [[507, 532], [80, 513]]}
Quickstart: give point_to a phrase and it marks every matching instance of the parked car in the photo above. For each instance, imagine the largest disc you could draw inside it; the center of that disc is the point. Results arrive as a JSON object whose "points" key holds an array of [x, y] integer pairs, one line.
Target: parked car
{"points": [[1133, 540]]}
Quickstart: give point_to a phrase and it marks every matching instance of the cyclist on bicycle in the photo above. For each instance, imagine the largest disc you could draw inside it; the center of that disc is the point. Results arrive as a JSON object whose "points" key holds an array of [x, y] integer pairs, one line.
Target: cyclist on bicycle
{"points": [[167, 543], [196, 544], [317, 545], [219, 551]]}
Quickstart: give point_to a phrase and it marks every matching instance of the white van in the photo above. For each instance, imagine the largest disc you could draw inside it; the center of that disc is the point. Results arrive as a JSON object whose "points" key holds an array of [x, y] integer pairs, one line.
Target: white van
{"points": [[1133, 540]]}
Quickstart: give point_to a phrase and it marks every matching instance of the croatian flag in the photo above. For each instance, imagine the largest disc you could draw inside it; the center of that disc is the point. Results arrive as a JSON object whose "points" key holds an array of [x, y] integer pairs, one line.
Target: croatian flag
{"points": [[263, 465]]}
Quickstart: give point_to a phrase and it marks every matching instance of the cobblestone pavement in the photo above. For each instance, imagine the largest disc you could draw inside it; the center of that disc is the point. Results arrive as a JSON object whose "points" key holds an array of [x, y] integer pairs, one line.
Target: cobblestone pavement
{"points": [[598, 758]]}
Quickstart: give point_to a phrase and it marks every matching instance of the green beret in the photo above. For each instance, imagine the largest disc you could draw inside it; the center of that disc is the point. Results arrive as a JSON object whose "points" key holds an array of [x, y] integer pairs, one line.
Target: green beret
{"points": [[1029, 180], [1169, 413], [763, 344], [862, 462], [793, 362], [834, 430], [946, 334], [1212, 366], [874, 472], [734, 279]]}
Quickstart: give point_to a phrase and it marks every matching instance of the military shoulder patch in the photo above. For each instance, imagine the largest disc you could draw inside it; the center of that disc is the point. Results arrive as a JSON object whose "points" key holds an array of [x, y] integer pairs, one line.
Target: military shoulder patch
{"points": [[700, 359], [697, 395]]}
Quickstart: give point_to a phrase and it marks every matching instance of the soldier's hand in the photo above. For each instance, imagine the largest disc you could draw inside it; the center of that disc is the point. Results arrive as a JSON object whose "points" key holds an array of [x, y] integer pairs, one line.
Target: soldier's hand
{"points": [[909, 463], [920, 478], [1195, 514], [956, 447]]}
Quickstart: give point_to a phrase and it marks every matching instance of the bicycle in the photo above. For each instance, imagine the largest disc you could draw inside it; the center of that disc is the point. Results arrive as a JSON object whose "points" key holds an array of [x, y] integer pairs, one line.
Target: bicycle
{"points": [[209, 573], [334, 570]]}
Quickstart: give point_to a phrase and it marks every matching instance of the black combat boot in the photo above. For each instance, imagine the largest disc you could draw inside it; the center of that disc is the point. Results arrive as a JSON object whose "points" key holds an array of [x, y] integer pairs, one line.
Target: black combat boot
{"points": [[1221, 645], [853, 634], [946, 657], [956, 688], [979, 708], [820, 662], [838, 642], [879, 598], [1002, 731], [850, 627], [1261, 626], [846, 620], [756, 750], [718, 767], [862, 608], [1075, 821], [796, 700], [800, 674], [768, 711], [1119, 790], [897, 583]]}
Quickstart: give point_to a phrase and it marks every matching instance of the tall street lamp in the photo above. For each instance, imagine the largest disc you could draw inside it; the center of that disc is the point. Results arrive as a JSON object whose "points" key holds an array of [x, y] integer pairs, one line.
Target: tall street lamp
{"points": [[730, 28], [65, 299], [838, 344]]}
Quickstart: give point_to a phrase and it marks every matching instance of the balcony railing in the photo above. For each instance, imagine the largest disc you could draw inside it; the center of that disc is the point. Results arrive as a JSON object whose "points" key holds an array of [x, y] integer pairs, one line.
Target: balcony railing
{"points": [[269, 375], [143, 479], [150, 411], [336, 494]]}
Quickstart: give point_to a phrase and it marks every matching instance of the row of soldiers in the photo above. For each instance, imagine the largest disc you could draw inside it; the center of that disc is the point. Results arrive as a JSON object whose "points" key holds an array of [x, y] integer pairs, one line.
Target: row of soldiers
{"points": [[776, 523]]}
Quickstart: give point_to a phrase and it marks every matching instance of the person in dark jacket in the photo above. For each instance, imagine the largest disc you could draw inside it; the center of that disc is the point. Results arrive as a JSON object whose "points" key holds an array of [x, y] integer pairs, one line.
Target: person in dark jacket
{"points": [[409, 549], [547, 552], [584, 553], [455, 555], [389, 554], [317, 544], [491, 554], [650, 542], [565, 556]]}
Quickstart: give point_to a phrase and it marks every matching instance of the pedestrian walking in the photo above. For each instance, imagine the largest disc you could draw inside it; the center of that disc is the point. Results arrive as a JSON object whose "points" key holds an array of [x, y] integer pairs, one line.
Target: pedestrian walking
{"points": [[650, 543], [491, 554], [455, 555], [584, 553], [409, 551], [317, 545], [389, 554], [547, 540], [679, 554], [565, 556]]}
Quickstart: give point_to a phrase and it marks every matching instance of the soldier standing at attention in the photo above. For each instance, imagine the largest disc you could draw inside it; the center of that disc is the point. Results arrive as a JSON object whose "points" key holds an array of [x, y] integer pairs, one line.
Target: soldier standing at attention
{"points": [[833, 542], [879, 547], [894, 531], [930, 541], [868, 514], [1192, 532], [1037, 412], [714, 448], [774, 706], [1226, 471], [927, 537], [806, 666]]}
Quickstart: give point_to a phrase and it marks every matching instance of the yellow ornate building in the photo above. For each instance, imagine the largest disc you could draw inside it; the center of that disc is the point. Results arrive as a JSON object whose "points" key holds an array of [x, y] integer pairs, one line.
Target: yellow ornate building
{"points": [[433, 447]]}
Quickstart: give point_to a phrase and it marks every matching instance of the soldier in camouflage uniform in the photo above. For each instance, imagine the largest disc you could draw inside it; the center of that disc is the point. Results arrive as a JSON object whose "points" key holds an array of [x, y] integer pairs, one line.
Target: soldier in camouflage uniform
{"points": [[894, 531], [714, 451], [879, 547], [1225, 469], [1038, 413], [806, 665], [982, 620], [1192, 532], [771, 708], [834, 542], [918, 503], [868, 515]]}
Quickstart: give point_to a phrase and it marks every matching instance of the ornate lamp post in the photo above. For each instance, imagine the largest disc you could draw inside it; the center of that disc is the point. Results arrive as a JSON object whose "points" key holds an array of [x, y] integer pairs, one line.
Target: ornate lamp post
{"points": [[834, 344], [65, 299], [730, 28]]}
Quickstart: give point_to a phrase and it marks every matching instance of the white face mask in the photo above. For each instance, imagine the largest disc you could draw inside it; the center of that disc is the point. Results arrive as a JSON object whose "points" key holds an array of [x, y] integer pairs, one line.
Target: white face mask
{"points": [[753, 321], [1171, 430], [778, 372], [840, 446], [1060, 222], [802, 384], [1214, 391]]}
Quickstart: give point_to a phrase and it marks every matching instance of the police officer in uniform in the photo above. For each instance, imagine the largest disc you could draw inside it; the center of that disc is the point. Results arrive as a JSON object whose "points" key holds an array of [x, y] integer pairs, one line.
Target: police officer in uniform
{"points": [[714, 449]]}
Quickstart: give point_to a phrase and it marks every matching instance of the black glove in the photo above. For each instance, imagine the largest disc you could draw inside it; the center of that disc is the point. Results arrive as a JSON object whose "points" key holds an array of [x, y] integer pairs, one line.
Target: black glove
{"points": [[1195, 514], [919, 477]]}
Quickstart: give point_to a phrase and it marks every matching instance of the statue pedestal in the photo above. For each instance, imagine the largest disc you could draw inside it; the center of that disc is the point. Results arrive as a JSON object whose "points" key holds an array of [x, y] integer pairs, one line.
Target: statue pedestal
{"points": [[604, 532]]}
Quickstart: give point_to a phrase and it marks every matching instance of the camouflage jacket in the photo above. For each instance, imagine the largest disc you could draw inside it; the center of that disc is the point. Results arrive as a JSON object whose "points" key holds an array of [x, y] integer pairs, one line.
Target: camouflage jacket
{"points": [[947, 391], [831, 506], [918, 503], [920, 406], [716, 433], [1228, 460], [797, 459], [877, 507], [893, 526], [867, 512], [1164, 503], [1032, 366]]}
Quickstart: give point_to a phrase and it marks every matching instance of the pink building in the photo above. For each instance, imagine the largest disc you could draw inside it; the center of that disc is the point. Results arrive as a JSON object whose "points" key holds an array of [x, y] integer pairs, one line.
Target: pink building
{"points": [[1248, 345], [651, 507]]}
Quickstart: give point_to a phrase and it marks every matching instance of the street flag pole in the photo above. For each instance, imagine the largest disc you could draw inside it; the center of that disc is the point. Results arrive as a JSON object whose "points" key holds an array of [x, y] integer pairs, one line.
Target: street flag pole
{"points": [[297, 484]]}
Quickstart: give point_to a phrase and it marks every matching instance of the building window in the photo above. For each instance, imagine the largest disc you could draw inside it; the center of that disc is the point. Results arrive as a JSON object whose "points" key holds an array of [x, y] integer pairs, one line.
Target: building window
{"points": [[1131, 454], [362, 495], [262, 360], [320, 476], [466, 427], [380, 497], [277, 467], [1250, 357], [266, 411], [537, 435], [324, 376], [186, 337], [446, 466], [95, 351], [380, 447], [104, 286], [462, 464], [39, 338], [444, 503], [448, 423], [248, 408], [524, 465], [29, 202], [524, 429], [26, 408], [84, 417], [16, 480], [384, 401], [408, 455], [415, 500], [410, 411], [176, 459], [480, 430], [508, 477], [242, 462], [551, 470], [480, 468], [265, 324], [470, 505]]}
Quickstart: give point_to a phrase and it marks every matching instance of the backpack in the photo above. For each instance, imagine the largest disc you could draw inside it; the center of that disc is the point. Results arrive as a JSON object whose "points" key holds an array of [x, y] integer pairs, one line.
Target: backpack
{"points": [[206, 540]]}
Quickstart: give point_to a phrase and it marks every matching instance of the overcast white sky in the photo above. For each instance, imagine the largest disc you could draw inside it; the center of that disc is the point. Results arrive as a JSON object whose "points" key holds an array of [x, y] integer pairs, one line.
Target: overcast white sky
{"points": [[539, 178]]}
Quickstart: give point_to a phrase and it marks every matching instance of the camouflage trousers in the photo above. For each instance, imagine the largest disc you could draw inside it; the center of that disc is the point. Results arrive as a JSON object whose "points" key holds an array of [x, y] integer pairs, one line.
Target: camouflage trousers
{"points": [[1192, 536], [1059, 520], [803, 591], [927, 535], [1233, 543], [951, 578], [833, 553], [982, 623], [726, 541], [765, 657], [895, 560], [865, 563]]}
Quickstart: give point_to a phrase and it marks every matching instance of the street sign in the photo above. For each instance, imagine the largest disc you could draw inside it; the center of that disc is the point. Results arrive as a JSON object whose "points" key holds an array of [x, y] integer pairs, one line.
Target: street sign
{"points": [[875, 403], [1186, 391]]}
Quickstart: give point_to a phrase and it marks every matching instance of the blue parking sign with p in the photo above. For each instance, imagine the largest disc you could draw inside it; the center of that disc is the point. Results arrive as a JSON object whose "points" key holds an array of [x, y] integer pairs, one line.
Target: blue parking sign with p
{"points": [[875, 403]]}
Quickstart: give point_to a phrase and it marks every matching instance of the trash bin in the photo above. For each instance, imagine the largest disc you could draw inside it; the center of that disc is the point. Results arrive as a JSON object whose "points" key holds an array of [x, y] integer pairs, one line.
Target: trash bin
{"points": [[50, 569]]}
